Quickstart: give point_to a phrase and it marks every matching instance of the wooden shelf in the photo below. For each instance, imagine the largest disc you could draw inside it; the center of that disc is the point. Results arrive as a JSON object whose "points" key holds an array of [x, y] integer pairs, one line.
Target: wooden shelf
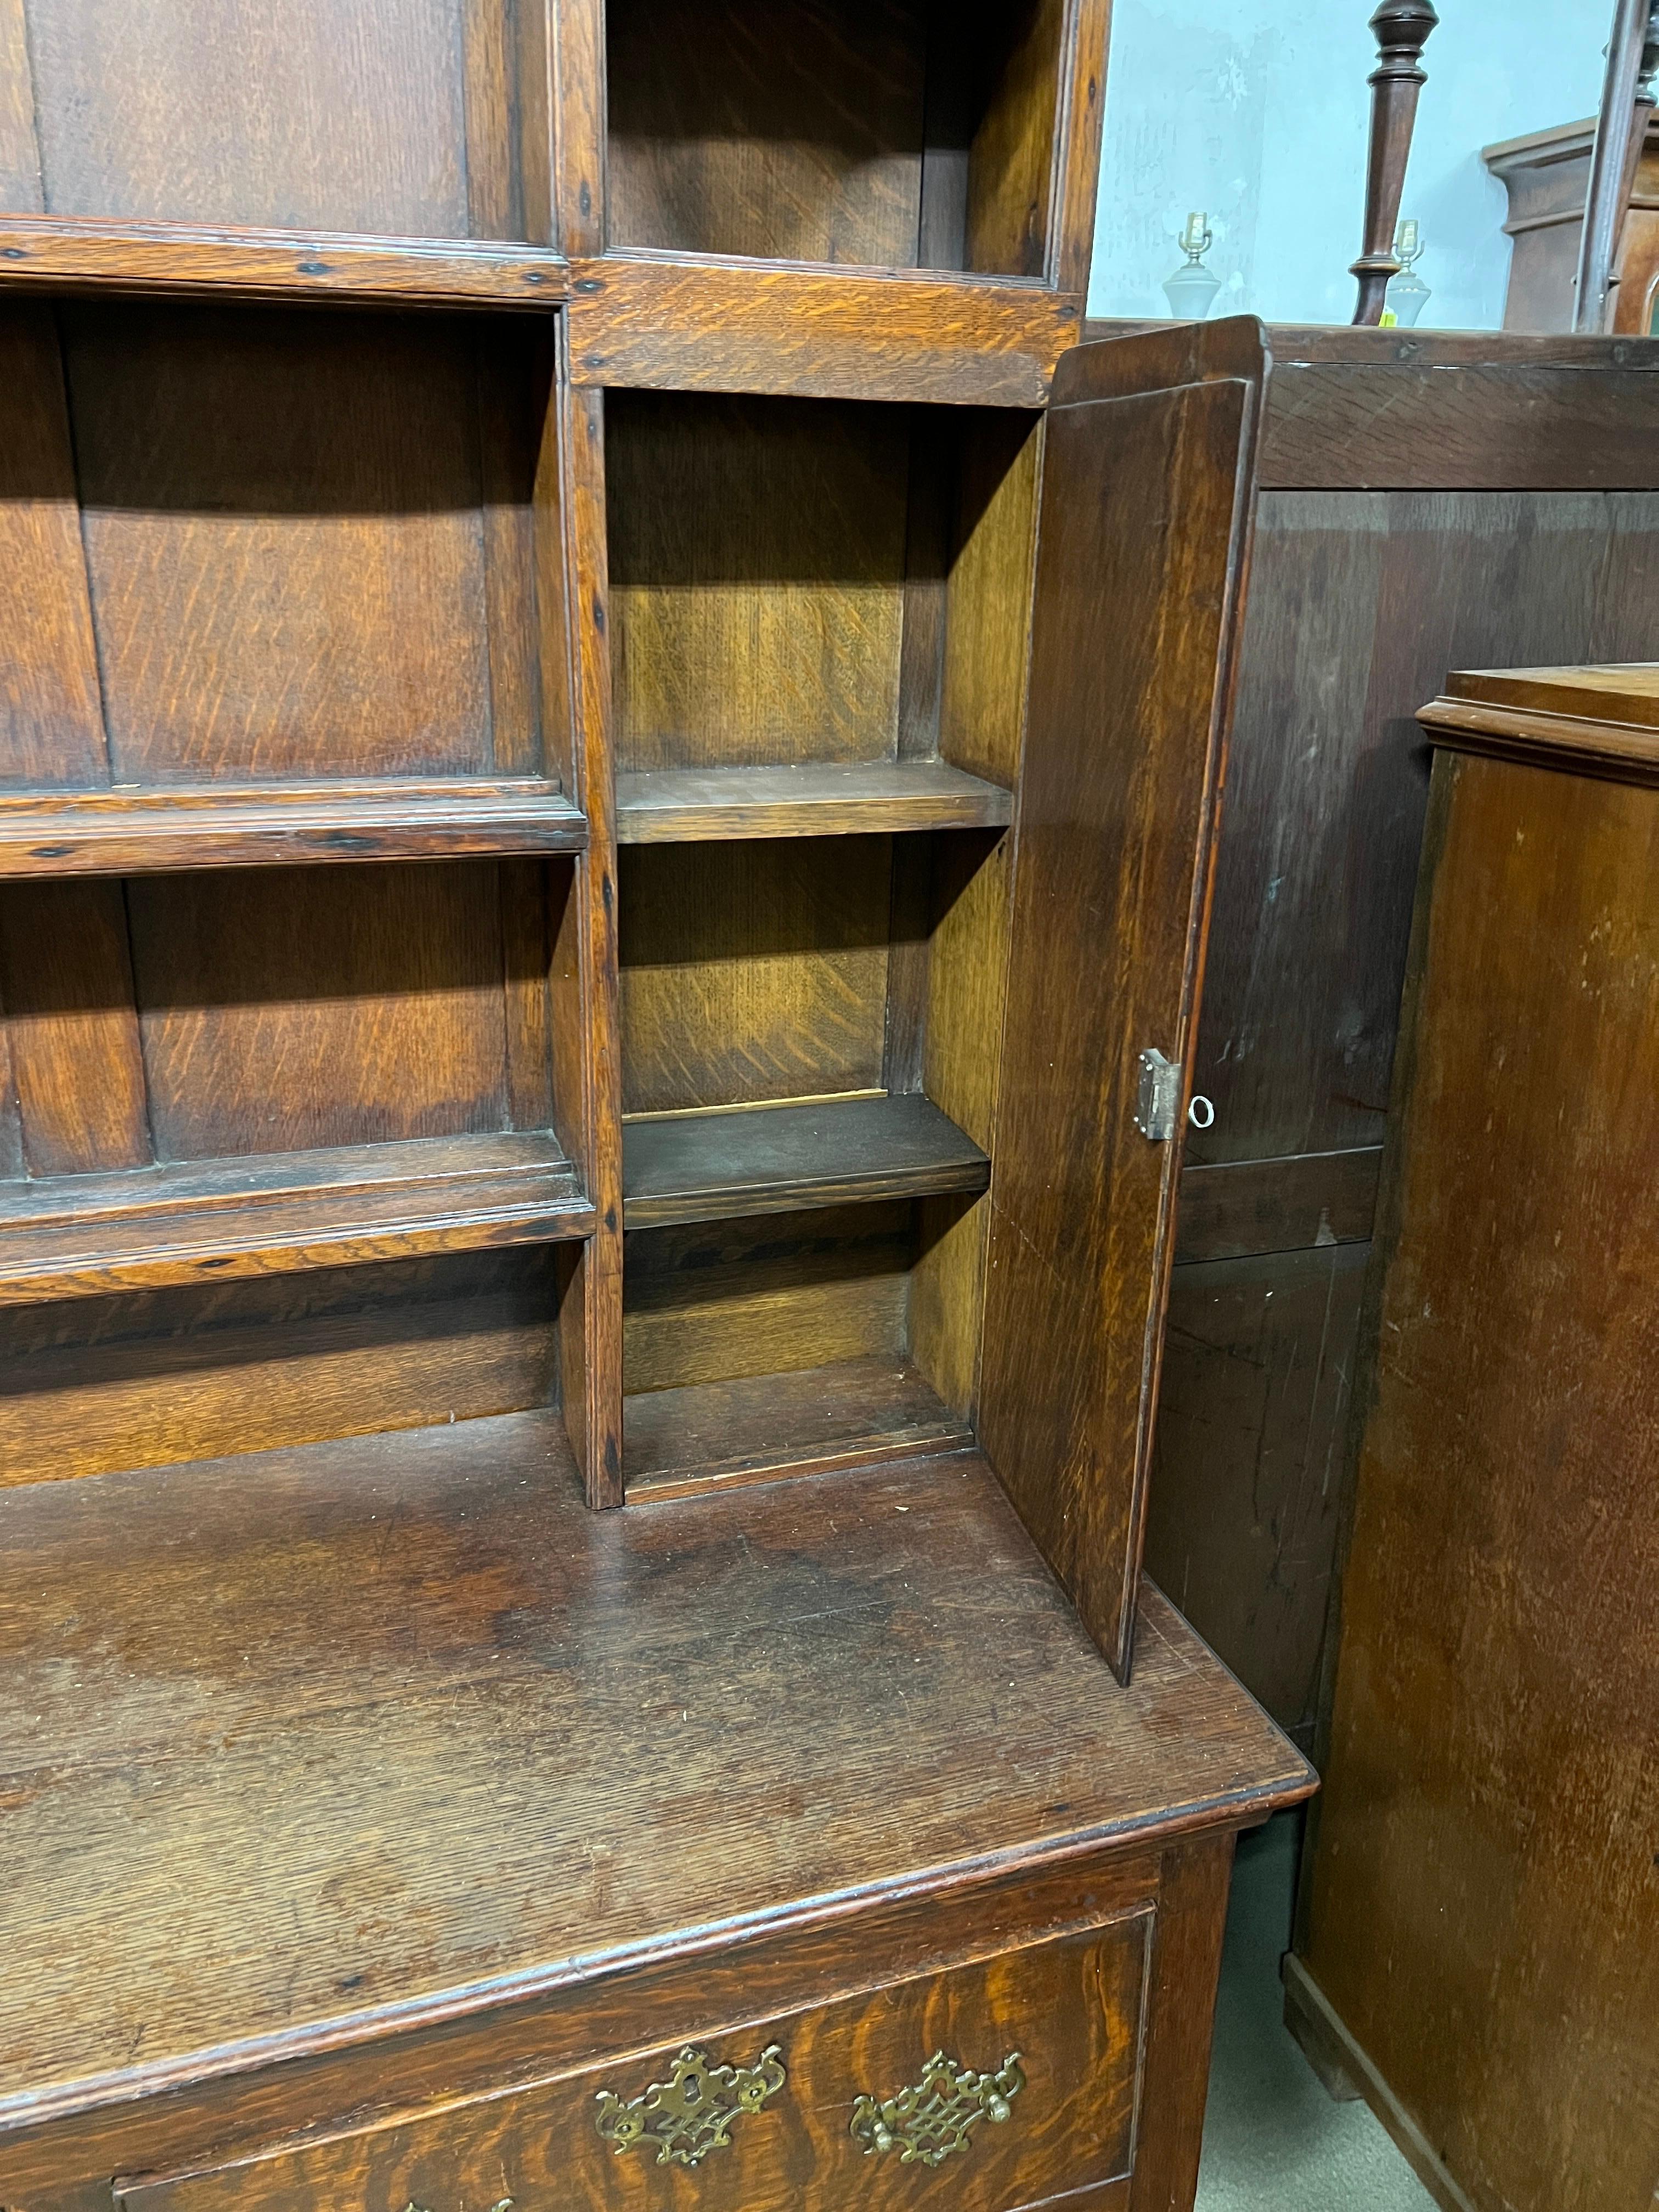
{"points": [[282, 1214], [144, 830], [714, 1435], [92, 253], [825, 799], [706, 322], [784, 1159]]}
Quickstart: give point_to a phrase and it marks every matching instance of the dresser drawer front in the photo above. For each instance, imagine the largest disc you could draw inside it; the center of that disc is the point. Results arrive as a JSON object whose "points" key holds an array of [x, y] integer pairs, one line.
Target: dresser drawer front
{"points": [[1036, 2096]]}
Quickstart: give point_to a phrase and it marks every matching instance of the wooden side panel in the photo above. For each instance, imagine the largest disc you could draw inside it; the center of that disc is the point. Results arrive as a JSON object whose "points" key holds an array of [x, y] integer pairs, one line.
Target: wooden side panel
{"points": [[142, 1380], [1011, 170], [1481, 1914], [286, 533], [988, 639], [1247, 1487], [344, 115], [717, 1300], [51, 729], [757, 553], [788, 129], [753, 971], [295, 1007], [19, 155], [66, 982], [1133, 632]]}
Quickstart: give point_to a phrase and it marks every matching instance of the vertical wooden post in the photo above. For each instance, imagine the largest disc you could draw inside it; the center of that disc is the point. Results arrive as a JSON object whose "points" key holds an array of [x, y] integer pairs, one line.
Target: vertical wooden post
{"points": [[1403, 28], [1625, 105]]}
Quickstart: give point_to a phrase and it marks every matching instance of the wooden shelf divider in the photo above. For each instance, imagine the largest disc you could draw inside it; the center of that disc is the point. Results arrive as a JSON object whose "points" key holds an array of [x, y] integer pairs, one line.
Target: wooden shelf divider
{"points": [[140, 831], [714, 1435], [710, 322], [785, 1159], [95, 254], [283, 1214], [822, 798]]}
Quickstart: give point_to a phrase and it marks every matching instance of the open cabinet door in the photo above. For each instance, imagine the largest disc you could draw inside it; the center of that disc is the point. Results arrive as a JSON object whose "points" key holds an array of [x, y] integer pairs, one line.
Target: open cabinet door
{"points": [[1147, 504]]}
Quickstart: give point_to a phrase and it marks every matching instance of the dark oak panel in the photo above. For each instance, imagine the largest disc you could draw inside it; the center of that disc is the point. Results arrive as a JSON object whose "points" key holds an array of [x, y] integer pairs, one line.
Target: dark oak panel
{"points": [[701, 1167], [1241, 1208], [1480, 1908], [1131, 653]]}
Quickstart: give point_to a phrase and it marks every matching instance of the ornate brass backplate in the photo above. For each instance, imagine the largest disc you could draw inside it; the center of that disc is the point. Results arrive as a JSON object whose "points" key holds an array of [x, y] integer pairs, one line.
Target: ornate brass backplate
{"points": [[692, 2113], [933, 2119]]}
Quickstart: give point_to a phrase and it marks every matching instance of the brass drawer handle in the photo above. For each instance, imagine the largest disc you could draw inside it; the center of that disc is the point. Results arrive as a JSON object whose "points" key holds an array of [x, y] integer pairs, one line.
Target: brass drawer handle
{"points": [[692, 2113], [932, 2120]]}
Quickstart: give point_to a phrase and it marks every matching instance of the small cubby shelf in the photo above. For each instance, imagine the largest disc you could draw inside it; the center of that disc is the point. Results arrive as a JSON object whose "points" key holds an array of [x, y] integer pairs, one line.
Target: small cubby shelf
{"points": [[139, 831], [782, 1159], [221, 1220], [818, 799], [891, 134]]}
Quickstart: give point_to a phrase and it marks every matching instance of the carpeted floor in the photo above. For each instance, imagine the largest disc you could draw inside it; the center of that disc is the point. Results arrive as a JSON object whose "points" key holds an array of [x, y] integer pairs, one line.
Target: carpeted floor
{"points": [[1273, 2141]]}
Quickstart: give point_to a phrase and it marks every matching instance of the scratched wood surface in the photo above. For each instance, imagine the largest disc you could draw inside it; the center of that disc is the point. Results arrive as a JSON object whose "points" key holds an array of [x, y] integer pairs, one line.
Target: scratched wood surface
{"points": [[1479, 1910], [447, 1644]]}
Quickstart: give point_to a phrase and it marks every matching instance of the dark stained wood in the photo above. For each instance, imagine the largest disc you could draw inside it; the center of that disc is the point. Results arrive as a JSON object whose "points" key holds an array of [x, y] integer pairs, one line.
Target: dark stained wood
{"points": [[92, 1384], [693, 322], [383, 116], [1240, 1207], [139, 831], [94, 254], [1072, 2008], [283, 517], [753, 971], [470, 1536], [75, 1235], [1131, 678], [1479, 1910], [807, 1420], [818, 798], [701, 1167], [1599, 720], [1248, 1490], [1078, 135], [1185, 1965], [72, 1024]]}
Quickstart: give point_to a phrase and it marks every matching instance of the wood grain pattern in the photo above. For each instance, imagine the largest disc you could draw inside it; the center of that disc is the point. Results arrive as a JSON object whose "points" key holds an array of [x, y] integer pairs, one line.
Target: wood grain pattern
{"points": [[753, 971], [1132, 657], [1490, 1878], [756, 565], [148, 1378], [342, 117], [786, 129], [254, 1041], [20, 155], [1186, 1966], [283, 535], [714, 1302], [140, 831], [1613, 747], [51, 724], [775, 1159], [1072, 2008], [816, 1421], [1077, 147], [693, 322], [444, 1638], [1239, 1208], [1011, 165], [75, 1051], [820, 798], [83, 1234], [1247, 1494], [988, 597], [94, 253]]}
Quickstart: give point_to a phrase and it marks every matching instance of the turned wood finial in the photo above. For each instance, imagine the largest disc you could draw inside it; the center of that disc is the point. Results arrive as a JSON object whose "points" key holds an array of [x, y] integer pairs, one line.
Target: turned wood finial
{"points": [[1401, 28]]}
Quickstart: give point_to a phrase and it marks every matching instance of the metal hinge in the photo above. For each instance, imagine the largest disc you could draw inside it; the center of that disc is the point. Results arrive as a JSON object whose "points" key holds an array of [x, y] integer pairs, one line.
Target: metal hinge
{"points": [[1157, 1102]]}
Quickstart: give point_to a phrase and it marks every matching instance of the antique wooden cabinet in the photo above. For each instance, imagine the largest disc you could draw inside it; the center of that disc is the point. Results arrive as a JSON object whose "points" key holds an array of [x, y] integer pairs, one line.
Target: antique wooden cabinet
{"points": [[1425, 502], [582, 897], [1480, 1953]]}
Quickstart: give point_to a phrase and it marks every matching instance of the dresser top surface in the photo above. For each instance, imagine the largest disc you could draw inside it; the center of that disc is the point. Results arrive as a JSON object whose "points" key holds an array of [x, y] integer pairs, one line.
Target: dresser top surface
{"points": [[335, 1731], [1612, 691]]}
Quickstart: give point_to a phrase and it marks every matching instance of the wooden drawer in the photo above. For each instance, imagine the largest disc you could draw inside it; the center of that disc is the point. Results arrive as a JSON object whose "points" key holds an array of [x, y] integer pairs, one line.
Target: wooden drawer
{"points": [[813, 2129]]}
